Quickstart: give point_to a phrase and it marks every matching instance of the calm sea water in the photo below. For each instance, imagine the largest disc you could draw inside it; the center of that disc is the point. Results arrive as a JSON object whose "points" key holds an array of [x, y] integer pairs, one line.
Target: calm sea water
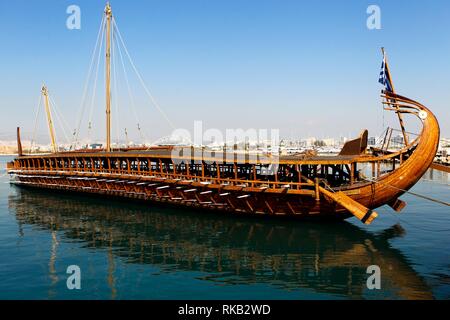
{"points": [[137, 251]]}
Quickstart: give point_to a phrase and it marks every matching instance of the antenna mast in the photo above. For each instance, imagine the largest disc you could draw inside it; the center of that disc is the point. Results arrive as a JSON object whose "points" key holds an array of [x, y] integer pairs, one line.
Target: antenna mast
{"points": [[49, 119], [108, 14]]}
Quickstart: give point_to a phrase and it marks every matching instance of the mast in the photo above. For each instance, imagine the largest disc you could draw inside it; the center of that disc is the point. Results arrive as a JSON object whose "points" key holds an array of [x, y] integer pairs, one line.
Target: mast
{"points": [[108, 14], [49, 119], [400, 118], [19, 143]]}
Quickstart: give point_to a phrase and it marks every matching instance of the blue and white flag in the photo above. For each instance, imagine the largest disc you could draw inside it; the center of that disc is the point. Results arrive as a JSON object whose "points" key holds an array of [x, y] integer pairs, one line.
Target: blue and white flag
{"points": [[385, 76]]}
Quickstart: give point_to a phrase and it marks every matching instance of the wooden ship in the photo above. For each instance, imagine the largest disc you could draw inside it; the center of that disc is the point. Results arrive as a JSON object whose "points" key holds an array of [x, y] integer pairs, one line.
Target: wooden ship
{"points": [[302, 186]]}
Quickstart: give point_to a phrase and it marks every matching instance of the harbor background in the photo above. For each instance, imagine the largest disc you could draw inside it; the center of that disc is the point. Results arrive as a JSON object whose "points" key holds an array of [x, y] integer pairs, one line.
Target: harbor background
{"points": [[140, 251]]}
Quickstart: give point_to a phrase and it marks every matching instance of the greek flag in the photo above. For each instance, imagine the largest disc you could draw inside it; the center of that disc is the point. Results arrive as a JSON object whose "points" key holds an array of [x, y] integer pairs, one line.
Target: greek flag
{"points": [[385, 76]]}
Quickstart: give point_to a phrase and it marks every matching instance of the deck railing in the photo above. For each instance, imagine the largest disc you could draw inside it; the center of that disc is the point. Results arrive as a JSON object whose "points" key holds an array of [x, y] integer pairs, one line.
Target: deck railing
{"points": [[163, 176]]}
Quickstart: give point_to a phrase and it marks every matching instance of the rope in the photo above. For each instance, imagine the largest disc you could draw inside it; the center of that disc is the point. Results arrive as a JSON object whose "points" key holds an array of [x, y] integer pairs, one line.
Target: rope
{"points": [[61, 121], [398, 218], [412, 193], [115, 97], [83, 98], [35, 123], [326, 186], [133, 106], [417, 195], [91, 109], [140, 77]]}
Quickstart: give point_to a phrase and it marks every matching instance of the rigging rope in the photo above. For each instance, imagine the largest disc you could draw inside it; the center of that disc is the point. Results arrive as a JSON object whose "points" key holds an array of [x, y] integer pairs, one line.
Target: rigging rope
{"points": [[410, 192], [118, 42], [83, 98], [133, 106], [115, 97], [91, 109], [140, 77], [417, 195], [62, 122], [35, 123]]}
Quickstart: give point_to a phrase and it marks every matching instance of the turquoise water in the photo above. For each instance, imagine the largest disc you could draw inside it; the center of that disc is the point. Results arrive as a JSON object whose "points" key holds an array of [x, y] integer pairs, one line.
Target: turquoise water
{"points": [[137, 251]]}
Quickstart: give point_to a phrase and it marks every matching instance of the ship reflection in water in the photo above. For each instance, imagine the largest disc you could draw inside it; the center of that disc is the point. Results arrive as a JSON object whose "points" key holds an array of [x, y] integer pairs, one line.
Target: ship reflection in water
{"points": [[288, 256]]}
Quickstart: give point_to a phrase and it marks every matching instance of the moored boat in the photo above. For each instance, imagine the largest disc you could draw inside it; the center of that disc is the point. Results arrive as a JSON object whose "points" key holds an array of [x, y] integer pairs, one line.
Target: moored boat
{"points": [[304, 185]]}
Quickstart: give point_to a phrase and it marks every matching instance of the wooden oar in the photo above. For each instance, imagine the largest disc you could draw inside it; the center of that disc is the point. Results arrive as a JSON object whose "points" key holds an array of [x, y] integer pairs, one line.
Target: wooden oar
{"points": [[364, 214]]}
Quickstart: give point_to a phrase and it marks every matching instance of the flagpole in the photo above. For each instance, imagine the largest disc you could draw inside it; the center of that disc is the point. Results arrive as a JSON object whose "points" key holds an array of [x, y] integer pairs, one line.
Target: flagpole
{"points": [[400, 118]]}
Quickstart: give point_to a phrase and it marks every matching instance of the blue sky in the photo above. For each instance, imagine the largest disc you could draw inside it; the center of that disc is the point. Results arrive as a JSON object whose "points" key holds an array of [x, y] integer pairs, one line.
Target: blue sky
{"points": [[309, 68]]}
